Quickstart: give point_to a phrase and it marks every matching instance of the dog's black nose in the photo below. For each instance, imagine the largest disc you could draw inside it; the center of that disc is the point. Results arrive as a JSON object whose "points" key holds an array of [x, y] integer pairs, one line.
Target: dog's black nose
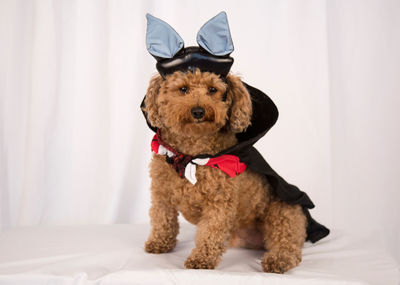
{"points": [[198, 112]]}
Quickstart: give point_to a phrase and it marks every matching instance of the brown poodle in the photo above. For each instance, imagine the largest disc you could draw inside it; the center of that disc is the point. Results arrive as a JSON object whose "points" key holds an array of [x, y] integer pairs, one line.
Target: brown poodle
{"points": [[238, 211]]}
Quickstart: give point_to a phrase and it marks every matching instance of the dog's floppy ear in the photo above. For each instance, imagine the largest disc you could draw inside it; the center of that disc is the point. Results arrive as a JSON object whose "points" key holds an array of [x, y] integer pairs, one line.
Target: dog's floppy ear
{"points": [[241, 106], [150, 104]]}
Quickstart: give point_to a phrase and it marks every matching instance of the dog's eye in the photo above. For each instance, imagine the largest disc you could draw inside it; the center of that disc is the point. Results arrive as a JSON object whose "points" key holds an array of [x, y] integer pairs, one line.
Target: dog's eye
{"points": [[212, 90], [183, 90]]}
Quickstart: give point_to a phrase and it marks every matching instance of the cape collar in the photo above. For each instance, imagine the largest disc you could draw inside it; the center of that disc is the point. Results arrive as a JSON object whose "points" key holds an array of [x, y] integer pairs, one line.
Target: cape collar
{"points": [[185, 165]]}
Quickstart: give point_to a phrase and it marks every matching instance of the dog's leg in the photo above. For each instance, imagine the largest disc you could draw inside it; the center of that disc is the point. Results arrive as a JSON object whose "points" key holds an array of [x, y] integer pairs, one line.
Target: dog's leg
{"points": [[164, 225], [284, 236], [212, 235]]}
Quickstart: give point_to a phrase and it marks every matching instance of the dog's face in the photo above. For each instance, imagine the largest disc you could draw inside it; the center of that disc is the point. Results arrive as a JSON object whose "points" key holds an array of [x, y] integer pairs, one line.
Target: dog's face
{"points": [[198, 103]]}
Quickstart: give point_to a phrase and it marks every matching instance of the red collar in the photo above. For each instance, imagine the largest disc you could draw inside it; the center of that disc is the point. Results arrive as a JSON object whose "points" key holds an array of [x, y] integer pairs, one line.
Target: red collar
{"points": [[185, 165], [177, 160]]}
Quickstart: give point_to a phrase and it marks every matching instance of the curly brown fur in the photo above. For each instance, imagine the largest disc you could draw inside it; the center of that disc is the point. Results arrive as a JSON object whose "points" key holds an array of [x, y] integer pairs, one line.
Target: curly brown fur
{"points": [[238, 211]]}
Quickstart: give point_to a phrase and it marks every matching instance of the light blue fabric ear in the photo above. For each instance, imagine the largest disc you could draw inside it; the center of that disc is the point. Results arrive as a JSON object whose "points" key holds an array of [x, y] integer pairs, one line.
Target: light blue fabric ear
{"points": [[215, 37], [161, 38]]}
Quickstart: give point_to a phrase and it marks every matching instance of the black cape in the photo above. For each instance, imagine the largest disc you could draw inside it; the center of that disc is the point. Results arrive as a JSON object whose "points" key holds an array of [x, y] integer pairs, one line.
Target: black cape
{"points": [[265, 114]]}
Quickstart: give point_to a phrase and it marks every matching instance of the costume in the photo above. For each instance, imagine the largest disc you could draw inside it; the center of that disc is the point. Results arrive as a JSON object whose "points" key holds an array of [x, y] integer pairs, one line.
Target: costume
{"points": [[213, 55]]}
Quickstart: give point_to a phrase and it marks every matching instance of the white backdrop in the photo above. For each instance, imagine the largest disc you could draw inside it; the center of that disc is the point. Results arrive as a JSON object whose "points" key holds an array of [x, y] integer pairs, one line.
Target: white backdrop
{"points": [[74, 147]]}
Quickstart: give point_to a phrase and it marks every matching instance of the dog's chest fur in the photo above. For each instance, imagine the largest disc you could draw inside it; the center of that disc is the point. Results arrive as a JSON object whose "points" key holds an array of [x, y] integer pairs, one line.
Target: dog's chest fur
{"points": [[213, 187], [187, 198]]}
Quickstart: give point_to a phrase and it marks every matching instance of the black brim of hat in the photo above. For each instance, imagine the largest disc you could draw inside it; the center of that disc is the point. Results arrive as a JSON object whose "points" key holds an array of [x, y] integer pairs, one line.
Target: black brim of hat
{"points": [[191, 58]]}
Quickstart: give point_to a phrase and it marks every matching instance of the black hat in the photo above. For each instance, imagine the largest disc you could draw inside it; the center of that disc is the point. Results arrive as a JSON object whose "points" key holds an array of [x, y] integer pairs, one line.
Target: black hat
{"points": [[212, 54]]}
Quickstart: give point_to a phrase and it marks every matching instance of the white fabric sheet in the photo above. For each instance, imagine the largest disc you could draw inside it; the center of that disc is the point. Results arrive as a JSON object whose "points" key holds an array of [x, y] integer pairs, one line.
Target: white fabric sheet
{"points": [[114, 254]]}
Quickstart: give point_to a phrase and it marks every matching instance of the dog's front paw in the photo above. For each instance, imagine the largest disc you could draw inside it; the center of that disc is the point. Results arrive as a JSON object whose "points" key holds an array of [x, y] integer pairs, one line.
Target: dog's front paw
{"points": [[197, 260], [280, 261], [159, 246]]}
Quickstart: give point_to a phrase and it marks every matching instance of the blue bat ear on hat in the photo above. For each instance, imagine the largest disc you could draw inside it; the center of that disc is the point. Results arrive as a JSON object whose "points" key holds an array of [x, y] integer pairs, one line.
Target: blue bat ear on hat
{"points": [[215, 37], [161, 39]]}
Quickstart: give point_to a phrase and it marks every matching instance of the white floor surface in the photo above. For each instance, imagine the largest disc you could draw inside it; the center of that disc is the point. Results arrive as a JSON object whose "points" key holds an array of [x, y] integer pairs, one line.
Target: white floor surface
{"points": [[114, 254]]}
